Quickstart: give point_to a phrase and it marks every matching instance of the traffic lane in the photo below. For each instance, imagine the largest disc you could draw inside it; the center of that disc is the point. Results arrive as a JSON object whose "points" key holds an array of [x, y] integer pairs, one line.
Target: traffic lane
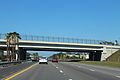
{"points": [[78, 73], [42, 72], [4, 72], [102, 69]]}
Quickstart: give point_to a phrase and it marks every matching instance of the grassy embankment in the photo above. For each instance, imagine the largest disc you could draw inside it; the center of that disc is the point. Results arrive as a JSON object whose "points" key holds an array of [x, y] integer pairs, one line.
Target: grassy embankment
{"points": [[112, 61], [114, 57]]}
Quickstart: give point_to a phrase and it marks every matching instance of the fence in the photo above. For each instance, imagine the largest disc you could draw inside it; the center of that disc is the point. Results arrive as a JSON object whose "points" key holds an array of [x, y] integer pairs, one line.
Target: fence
{"points": [[56, 39]]}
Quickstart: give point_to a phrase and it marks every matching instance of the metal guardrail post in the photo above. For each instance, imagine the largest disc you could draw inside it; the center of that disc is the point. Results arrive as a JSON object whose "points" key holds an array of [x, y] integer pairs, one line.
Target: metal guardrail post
{"points": [[32, 38], [42, 38], [0, 36], [26, 37], [37, 38]]}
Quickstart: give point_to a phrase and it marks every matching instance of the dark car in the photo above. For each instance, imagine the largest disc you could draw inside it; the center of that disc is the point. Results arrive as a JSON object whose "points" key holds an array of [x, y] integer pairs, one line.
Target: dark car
{"points": [[55, 60]]}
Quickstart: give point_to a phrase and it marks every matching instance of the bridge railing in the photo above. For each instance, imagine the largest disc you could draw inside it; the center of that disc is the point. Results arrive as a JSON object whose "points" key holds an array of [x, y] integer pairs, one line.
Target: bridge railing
{"points": [[56, 39]]}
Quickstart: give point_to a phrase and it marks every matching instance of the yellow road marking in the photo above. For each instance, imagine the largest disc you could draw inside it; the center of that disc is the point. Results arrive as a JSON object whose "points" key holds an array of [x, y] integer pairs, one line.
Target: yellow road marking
{"points": [[20, 72]]}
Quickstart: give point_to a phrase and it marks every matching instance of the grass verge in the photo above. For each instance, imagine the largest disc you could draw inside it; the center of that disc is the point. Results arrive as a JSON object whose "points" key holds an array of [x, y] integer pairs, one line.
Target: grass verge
{"points": [[104, 63]]}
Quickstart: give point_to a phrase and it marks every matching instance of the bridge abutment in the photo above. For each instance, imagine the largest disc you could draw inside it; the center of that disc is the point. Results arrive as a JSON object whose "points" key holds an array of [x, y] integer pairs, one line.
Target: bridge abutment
{"points": [[107, 52]]}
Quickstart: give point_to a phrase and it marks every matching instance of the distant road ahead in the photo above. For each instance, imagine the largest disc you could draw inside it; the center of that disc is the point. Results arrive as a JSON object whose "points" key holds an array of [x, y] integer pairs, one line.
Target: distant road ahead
{"points": [[68, 71]]}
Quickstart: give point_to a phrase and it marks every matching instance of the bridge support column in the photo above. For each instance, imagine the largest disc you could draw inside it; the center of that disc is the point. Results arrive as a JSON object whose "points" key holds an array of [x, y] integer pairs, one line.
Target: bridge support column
{"points": [[95, 56], [103, 58], [22, 54]]}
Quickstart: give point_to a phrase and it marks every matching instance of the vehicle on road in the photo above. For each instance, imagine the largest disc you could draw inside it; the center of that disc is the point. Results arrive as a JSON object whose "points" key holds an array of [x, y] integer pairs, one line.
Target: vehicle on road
{"points": [[55, 60], [43, 60]]}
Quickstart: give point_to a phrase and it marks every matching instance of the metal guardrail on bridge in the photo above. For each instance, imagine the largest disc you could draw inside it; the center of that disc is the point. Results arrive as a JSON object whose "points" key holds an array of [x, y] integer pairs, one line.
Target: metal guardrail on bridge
{"points": [[56, 39]]}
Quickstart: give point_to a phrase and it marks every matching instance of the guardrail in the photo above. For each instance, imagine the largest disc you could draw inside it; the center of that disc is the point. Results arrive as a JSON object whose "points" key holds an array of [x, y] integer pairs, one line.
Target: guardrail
{"points": [[5, 64], [70, 60]]}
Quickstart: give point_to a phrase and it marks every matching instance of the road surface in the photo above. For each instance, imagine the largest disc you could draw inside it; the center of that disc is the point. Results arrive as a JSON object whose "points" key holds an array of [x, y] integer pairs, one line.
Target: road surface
{"points": [[6, 71], [68, 71]]}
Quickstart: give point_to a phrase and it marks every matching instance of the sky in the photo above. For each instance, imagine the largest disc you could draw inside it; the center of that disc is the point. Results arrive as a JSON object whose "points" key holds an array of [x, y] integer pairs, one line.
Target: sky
{"points": [[87, 19]]}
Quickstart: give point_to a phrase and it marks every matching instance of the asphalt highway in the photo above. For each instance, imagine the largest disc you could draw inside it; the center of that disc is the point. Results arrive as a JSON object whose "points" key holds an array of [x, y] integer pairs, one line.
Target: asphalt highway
{"points": [[69, 71]]}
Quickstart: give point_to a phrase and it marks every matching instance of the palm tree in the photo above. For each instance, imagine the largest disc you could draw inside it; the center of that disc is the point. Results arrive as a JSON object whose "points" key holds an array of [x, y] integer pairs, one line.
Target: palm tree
{"points": [[116, 42], [8, 46], [12, 43]]}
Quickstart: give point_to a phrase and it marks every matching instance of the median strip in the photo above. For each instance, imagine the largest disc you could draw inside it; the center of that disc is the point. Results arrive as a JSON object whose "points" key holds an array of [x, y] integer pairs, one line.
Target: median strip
{"points": [[9, 78]]}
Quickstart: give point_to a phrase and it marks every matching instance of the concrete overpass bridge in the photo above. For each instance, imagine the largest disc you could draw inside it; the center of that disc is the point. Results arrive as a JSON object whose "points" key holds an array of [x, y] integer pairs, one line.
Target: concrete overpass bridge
{"points": [[41, 43]]}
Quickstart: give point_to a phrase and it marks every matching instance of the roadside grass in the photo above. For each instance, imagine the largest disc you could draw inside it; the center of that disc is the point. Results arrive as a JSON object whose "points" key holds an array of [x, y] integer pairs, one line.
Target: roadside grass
{"points": [[103, 63]]}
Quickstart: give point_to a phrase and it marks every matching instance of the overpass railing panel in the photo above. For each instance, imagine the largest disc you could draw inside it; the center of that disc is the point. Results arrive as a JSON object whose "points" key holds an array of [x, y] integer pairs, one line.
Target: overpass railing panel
{"points": [[56, 39], [59, 39]]}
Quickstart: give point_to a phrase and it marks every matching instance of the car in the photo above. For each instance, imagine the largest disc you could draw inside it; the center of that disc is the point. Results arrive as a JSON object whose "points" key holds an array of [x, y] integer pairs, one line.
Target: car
{"points": [[43, 60], [55, 60]]}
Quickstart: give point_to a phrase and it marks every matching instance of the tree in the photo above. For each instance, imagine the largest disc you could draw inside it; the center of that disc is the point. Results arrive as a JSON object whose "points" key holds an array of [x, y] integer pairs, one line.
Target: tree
{"points": [[2, 56], [107, 43], [12, 44], [116, 42]]}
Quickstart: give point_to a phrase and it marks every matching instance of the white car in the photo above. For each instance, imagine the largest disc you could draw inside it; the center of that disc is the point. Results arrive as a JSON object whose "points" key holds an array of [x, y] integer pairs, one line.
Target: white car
{"points": [[43, 60]]}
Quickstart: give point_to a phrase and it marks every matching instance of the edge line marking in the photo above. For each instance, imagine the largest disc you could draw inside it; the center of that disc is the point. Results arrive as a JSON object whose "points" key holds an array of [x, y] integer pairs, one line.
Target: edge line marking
{"points": [[20, 72]]}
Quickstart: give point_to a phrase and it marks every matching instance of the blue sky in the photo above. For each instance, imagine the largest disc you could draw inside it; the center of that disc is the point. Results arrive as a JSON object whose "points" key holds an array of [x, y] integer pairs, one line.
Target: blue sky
{"points": [[89, 19]]}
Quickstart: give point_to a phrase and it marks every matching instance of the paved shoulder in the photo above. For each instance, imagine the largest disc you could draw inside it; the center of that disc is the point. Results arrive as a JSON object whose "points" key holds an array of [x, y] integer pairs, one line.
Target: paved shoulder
{"points": [[4, 72]]}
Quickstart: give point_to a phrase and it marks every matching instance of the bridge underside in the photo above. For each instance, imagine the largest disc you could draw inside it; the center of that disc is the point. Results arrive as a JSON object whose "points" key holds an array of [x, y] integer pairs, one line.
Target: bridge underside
{"points": [[53, 49], [58, 49], [94, 55], [93, 50]]}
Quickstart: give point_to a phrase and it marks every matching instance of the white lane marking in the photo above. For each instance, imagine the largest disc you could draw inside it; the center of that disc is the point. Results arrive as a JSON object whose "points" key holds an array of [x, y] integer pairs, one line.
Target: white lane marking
{"points": [[91, 70], [69, 79], [79, 66], [118, 76], [57, 67], [61, 71], [64, 74], [54, 65]]}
